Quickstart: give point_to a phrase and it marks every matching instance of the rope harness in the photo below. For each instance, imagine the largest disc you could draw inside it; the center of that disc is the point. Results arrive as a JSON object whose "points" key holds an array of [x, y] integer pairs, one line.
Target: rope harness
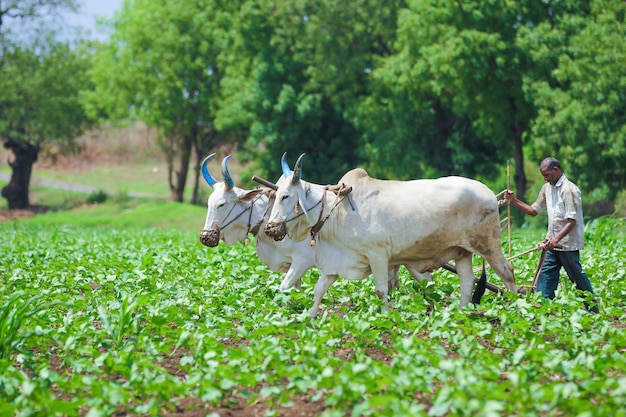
{"points": [[503, 201], [341, 191], [254, 230]]}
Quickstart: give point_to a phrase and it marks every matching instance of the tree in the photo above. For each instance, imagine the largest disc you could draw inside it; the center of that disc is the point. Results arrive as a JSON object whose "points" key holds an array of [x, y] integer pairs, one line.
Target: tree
{"points": [[463, 59], [39, 103], [305, 66], [33, 103], [579, 89], [161, 66]]}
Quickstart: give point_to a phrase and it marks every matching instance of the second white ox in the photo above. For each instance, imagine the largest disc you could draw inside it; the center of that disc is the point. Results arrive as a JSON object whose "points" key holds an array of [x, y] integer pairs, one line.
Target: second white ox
{"points": [[234, 213], [424, 223]]}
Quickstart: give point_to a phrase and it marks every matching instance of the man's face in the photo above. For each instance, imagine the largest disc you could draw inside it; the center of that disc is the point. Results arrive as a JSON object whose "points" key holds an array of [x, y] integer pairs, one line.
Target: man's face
{"points": [[550, 175]]}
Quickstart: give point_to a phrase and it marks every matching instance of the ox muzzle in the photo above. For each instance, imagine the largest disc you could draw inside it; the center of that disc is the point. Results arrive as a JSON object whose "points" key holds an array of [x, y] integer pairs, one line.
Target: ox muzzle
{"points": [[210, 237], [276, 230]]}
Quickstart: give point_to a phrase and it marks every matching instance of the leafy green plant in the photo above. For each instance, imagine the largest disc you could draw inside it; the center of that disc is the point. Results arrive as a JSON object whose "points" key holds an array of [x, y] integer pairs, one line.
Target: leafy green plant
{"points": [[121, 319], [13, 312], [99, 196], [130, 320]]}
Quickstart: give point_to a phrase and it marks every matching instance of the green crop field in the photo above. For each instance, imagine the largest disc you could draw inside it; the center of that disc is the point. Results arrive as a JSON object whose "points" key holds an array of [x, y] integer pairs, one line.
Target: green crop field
{"points": [[115, 317]]}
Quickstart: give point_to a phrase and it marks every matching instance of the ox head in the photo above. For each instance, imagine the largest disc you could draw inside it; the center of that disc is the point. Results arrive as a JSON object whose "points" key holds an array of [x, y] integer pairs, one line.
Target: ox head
{"points": [[229, 208], [290, 205]]}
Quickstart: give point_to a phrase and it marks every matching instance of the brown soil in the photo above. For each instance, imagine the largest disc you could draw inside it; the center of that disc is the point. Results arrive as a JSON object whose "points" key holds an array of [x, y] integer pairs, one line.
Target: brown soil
{"points": [[16, 214]]}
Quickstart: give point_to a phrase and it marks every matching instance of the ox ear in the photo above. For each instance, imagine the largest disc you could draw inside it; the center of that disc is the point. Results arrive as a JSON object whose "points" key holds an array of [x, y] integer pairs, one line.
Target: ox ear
{"points": [[249, 195], [285, 166], [301, 191], [228, 180], [205, 171], [297, 171]]}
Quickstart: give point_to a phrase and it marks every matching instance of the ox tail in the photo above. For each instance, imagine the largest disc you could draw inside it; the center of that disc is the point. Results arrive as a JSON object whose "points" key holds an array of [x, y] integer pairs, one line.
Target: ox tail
{"points": [[481, 285]]}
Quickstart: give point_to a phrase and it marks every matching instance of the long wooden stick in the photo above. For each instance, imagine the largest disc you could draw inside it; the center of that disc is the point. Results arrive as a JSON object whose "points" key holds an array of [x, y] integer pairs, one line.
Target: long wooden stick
{"points": [[489, 285], [510, 258], [265, 182], [508, 206], [539, 266]]}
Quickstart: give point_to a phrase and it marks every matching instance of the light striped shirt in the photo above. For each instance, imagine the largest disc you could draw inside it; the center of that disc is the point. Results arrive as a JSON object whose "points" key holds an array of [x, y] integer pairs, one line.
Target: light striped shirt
{"points": [[563, 201]]}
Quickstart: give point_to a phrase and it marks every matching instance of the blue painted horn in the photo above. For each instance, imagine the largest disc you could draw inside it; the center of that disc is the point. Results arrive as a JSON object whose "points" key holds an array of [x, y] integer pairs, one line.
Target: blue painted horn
{"points": [[297, 170], [228, 180], [285, 166], [205, 171]]}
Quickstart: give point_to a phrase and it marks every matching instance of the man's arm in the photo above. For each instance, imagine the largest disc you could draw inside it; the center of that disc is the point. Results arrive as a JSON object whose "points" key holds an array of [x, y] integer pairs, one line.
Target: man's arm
{"points": [[510, 196], [554, 242]]}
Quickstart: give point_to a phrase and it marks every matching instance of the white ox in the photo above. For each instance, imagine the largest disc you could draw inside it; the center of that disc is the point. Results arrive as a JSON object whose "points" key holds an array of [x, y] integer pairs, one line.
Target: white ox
{"points": [[233, 213], [424, 223]]}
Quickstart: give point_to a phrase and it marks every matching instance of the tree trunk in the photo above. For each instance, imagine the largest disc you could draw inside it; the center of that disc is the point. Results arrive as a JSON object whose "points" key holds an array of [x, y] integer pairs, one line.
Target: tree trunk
{"points": [[16, 192], [518, 159], [443, 124], [517, 130], [196, 178], [178, 187]]}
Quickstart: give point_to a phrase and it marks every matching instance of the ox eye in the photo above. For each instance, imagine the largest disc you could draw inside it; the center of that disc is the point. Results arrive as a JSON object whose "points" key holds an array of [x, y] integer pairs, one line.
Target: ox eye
{"points": [[285, 197]]}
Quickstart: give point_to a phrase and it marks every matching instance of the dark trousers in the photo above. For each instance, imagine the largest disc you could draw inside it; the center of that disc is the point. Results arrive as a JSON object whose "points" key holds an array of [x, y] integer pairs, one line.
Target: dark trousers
{"points": [[549, 276]]}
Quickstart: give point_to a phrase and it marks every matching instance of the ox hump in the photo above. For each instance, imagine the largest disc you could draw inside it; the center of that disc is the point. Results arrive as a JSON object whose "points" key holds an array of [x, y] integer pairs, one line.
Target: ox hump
{"points": [[354, 175]]}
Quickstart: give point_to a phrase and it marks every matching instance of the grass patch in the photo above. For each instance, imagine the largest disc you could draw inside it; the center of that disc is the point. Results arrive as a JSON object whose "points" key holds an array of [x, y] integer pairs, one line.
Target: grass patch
{"points": [[56, 199], [130, 214], [146, 177]]}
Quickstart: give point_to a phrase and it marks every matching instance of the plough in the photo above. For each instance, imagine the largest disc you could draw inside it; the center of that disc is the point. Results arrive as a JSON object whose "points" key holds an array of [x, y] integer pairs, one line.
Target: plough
{"points": [[522, 289]]}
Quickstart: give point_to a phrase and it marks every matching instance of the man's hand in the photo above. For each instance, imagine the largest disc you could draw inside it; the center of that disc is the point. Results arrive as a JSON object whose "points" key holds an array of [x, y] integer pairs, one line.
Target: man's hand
{"points": [[550, 244], [509, 195]]}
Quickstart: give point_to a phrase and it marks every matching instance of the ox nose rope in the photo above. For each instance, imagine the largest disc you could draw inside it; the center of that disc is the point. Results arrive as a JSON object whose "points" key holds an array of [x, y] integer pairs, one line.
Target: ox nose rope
{"points": [[255, 230], [297, 210], [321, 220], [342, 191], [339, 190], [247, 209]]}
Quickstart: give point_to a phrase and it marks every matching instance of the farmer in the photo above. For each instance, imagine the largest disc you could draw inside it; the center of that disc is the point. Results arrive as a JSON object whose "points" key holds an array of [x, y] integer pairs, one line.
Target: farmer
{"points": [[563, 201]]}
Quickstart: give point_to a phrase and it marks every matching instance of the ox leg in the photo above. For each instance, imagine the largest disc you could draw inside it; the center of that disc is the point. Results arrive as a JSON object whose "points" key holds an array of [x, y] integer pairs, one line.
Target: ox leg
{"points": [[491, 250], [381, 281], [293, 277], [417, 274], [504, 269], [392, 279], [466, 276], [323, 284]]}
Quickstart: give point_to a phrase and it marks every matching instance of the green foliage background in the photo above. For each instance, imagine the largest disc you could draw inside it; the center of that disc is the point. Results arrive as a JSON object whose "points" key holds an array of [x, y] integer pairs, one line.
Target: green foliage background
{"points": [[405, 89]]}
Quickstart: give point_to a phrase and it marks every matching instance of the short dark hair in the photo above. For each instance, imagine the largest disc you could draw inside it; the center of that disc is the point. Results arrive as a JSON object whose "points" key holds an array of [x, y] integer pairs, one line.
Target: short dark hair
{"points": [[550, 163]]}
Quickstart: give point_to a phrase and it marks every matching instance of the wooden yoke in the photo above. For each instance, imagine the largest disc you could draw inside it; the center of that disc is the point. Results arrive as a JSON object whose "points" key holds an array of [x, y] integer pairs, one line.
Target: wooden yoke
{"points": [[265, 182], [339, 189]]}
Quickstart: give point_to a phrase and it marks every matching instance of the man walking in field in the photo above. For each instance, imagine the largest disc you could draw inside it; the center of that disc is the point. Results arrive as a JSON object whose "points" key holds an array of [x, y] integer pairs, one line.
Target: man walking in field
{"points": [[563, 201]]}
